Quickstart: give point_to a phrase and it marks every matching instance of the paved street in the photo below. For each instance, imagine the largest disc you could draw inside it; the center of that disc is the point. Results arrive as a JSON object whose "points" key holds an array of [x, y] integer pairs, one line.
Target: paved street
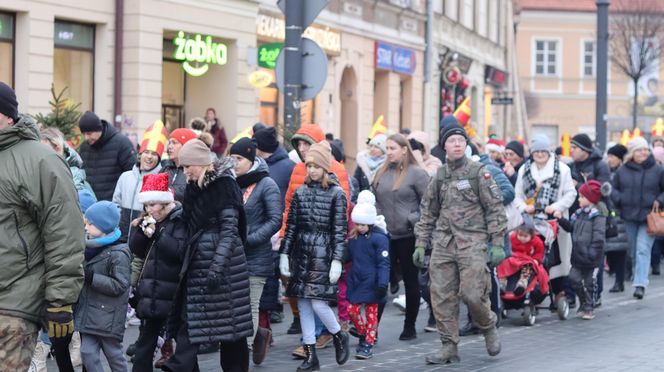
{"points": [[626, 335]]}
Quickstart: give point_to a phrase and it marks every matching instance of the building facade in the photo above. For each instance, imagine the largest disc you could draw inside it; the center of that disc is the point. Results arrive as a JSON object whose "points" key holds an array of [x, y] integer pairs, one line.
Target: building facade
{"points": [[557, 60]]}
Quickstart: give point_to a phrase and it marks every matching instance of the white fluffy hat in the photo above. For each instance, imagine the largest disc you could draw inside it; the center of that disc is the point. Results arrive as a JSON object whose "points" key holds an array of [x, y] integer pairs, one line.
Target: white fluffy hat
{"points": [[364, 214], [366, 197]]}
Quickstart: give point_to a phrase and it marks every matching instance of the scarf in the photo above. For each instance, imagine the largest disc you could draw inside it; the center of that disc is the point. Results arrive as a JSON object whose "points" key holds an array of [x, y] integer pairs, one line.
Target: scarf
{"points": [[374, 163], [544, 193], [95, 246], [251, 178]]}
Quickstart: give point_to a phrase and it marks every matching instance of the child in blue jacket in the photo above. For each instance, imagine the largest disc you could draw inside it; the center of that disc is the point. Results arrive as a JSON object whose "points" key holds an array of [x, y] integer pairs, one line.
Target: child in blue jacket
{"points": [[368, 250]]}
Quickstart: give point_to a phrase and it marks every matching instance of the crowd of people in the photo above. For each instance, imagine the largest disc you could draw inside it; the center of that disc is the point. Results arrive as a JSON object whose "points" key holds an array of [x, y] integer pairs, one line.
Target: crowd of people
{"points": [[195, 239]]}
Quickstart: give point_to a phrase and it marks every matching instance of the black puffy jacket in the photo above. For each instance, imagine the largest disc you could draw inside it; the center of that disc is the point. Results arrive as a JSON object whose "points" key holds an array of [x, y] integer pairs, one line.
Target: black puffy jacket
{"points": [[105, 160], [264, 217], [593, 168], [176, 178], [636, 187], [217, 226], [315, 235], [163, 255]]}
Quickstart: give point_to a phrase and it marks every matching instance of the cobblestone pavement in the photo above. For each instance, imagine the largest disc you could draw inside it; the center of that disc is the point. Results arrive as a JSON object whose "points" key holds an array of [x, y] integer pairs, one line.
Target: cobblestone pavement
{"points": [[626, 335]]}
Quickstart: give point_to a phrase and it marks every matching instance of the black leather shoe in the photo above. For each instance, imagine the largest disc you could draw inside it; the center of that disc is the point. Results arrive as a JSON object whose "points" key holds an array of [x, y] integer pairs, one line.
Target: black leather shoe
{"points": [[394, 288], [295, 328], [341, 347], [468, 330], [639, 292], [618, 287]]}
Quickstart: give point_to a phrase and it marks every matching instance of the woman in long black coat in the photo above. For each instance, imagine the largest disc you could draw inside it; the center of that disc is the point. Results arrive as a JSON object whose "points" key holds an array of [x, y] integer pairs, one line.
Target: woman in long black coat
{"points": [[212, 304]]}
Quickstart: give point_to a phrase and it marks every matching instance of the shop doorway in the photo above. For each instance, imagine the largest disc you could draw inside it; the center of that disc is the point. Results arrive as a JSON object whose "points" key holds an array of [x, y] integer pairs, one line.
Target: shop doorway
{"points": [[349, 125], [173, 90]]}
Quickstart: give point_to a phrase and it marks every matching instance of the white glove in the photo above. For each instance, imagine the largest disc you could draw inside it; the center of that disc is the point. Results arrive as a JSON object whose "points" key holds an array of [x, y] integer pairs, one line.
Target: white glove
{"points": [[283, 265], [335, 271]]}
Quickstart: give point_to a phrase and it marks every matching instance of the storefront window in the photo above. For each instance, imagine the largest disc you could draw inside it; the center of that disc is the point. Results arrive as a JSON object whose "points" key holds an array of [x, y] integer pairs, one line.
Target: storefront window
{"points": [[73, 62], [173, 87], [7, 48]]}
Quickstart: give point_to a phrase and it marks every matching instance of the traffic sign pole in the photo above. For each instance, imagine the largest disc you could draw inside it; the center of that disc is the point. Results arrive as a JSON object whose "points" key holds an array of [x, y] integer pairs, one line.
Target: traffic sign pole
{"points": [[293, 65]]}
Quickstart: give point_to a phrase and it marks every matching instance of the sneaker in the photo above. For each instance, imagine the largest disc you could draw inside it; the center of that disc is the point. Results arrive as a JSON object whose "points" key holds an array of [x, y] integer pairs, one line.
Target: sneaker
{"points": [[588, 315], [365, 352], [580, 313], [276, 317], [408, 333], [324, 341], [431, 324], [38, 362], [423, 304], [400, 303], [134, 321]]}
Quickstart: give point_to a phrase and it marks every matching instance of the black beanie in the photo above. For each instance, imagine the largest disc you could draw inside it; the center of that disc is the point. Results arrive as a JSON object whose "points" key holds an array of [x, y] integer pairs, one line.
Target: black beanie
{"points": [[517, 147], [8, 102], [451, 130], [618, 151], [583, 142], [90, 123], [246, 148], [266, 140]]}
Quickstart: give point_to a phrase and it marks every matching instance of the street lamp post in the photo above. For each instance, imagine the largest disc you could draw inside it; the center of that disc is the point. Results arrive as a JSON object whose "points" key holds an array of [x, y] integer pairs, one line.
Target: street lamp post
{"points": [[602, 67]]}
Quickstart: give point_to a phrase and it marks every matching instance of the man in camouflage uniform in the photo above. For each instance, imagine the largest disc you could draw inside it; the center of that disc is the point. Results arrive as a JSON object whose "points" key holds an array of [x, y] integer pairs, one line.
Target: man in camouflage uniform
{"points": [[41, 239], [462, 208]]}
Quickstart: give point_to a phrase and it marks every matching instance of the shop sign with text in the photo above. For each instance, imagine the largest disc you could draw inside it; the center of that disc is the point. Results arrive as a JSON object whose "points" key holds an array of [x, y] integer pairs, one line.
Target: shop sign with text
{"points": [[267, 55], [197, 52], [393, 58], [271, 27]]}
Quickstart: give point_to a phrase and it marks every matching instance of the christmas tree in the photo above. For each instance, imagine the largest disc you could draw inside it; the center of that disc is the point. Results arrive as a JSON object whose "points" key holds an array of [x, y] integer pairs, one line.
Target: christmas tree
{"points": [[64, 114]]}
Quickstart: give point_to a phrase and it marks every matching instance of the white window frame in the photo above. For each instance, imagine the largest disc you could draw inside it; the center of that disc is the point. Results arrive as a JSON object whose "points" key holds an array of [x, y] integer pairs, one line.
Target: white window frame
{"points": [[558, 54], [583, 59]]}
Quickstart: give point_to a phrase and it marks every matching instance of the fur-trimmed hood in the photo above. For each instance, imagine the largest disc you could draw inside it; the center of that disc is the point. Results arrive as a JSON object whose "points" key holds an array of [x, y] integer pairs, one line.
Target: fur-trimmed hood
{"points": [[221, 168]]}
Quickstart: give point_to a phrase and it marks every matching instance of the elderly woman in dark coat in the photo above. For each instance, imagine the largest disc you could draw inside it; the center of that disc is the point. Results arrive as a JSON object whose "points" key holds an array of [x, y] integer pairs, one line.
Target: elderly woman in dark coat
{"points": [[212, 303]]}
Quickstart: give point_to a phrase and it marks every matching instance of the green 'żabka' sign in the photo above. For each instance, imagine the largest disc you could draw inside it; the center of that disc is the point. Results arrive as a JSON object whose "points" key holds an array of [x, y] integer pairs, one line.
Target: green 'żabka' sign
{"points": [[199, 50], [268, 53]]}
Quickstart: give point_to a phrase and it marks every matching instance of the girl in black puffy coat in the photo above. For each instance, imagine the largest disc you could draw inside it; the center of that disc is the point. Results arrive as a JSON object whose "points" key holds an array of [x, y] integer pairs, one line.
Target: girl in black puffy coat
{"points": [[312, 251], [161, 243]]}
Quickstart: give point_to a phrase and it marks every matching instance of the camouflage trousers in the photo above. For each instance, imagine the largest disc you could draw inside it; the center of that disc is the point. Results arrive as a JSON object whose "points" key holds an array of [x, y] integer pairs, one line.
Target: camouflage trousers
{"points": [[459, 274], [18, 338]]}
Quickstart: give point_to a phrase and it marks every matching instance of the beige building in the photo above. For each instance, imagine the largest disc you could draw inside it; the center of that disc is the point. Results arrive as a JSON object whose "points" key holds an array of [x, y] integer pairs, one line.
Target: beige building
{"points": [[474, 57], [178, 58], [557, 62]]}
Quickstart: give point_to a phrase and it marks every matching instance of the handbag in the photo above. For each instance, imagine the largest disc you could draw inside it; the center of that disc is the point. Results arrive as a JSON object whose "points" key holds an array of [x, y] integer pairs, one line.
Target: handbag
{"points": [[655, 222]]}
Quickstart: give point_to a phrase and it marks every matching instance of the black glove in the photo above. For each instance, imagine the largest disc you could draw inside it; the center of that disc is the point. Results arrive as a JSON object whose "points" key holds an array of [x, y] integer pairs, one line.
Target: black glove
{"points": [[381, 292], [88, 275], [213, 280]]}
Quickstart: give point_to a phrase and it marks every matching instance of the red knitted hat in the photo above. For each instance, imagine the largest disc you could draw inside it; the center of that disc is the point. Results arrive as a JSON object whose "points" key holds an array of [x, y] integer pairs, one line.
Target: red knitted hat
{"points": [[183, 135], [591, 190], [155, 189]]}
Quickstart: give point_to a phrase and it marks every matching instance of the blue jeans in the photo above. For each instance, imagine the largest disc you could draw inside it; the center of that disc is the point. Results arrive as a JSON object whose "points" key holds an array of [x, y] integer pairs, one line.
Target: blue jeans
{"points": [[641, 244]]}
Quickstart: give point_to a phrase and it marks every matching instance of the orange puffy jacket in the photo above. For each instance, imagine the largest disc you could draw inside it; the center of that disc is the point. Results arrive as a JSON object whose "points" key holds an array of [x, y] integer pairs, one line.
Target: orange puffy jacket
{"points": [[311, 133]]}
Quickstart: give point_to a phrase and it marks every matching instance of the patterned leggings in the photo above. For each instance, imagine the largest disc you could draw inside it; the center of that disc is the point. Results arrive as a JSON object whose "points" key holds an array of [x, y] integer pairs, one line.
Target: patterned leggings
{"points": [[369, 329]]}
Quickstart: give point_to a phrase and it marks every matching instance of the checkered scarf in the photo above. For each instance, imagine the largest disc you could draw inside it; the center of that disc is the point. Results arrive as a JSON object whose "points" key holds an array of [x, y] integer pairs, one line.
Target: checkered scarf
{"points": [[544, 193]]}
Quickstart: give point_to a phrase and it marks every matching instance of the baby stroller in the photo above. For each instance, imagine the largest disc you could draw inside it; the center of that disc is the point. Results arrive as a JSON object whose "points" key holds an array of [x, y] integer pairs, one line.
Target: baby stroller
{"points": [[528, 300]]}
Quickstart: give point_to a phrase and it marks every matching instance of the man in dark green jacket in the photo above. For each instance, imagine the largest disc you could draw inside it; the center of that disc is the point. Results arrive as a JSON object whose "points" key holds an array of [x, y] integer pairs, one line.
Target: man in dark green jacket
{"points": [[41, 238]]}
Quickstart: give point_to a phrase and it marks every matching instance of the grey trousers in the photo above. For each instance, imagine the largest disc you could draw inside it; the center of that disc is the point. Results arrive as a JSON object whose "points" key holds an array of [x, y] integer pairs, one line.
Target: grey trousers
{"points": [[256, 285], [112, 348]]}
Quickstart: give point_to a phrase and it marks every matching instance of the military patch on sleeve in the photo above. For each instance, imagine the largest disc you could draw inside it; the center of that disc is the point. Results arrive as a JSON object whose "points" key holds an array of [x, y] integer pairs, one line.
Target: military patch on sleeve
{"points": [[487, 176], [385, 254]]}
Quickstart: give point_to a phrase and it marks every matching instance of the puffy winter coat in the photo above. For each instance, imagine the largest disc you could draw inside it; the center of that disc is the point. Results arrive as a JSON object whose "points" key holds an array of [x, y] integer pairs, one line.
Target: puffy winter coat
{"points": [[126, 197], [401, 207], [618, 243], [41, 228], [534, 248], [370, 256], [76, 168], [281, 168], [177, 181], [217, 226], [315, 236], [506, 188], [105, 160], [264, 210], [636, 187], [593, 168], [163, 255], [588, 237], [311, 133], [102, 306]]}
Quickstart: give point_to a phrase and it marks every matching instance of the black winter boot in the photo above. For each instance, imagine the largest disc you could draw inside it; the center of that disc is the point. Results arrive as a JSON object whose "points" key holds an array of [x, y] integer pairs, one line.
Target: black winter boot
{"points": [[310, 361], [341, 347]]}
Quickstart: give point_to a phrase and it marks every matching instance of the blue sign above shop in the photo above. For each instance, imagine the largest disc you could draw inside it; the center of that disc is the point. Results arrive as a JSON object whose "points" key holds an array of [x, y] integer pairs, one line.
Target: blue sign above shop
{"points": [[393, 58]]}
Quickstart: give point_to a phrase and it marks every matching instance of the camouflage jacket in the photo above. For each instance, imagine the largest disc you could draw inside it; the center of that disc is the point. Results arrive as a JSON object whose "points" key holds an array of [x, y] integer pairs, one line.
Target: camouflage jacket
{"points": [[452, 208]]}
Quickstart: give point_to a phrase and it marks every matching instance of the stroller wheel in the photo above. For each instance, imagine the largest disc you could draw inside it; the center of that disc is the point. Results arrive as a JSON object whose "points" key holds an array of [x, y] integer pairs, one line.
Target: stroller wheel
{"points": [[563, 308], [529, 315]]}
